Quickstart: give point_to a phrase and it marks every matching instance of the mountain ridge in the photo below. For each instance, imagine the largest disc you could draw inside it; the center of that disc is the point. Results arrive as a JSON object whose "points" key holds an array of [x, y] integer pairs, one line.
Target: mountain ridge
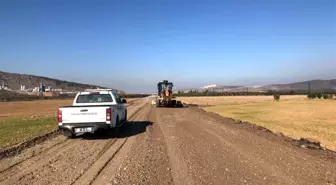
{"points": [[316, 85], [14, 81]]}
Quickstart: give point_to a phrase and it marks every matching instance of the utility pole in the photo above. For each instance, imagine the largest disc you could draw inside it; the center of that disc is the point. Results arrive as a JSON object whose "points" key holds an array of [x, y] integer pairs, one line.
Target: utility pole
{"points": [[309, 87]]}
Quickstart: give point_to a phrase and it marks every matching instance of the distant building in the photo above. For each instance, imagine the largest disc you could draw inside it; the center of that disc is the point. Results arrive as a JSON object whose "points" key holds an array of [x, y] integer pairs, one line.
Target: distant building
{"points": [[36, 89], [56, 90], [3, 85], [49, 89], [209, 86]]}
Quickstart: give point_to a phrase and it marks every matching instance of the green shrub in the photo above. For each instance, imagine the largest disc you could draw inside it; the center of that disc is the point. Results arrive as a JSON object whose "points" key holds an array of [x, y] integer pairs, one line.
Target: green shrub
{"points": [[325, 96], [276, 97], [319, 95], [311, 96]]}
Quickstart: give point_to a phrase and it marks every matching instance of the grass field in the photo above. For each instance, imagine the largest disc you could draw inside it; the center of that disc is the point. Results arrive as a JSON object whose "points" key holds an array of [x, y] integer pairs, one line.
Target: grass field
{"points": [[14, 131], [294, 116], [23, 120], [234, 100]]}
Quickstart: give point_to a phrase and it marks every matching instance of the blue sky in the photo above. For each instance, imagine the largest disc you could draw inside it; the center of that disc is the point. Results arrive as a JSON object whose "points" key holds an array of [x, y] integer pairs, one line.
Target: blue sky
{"points": [[131, 45]]}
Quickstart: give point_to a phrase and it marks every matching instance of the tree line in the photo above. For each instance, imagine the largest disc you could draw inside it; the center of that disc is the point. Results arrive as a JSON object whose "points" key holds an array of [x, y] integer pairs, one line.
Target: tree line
{"points": [[268, 93], [6, 96]]}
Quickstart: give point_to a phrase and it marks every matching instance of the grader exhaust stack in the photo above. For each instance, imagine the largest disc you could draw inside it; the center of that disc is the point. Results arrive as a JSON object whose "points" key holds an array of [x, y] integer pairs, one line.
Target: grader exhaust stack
{"points": [[165, 95]]}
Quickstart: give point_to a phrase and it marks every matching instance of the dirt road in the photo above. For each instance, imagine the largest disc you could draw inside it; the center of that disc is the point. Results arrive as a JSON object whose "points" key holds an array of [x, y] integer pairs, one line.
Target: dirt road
{"points": [[171, 146]]}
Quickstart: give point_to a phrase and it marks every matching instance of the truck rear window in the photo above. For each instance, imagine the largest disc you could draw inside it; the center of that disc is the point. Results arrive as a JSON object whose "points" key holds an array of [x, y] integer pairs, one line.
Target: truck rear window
{"points": [[94, 98]]}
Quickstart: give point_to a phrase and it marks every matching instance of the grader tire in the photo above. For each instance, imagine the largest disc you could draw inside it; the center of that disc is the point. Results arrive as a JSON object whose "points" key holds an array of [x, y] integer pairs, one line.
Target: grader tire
{"points": [[179, 104], [173, 103], [157, 103]]}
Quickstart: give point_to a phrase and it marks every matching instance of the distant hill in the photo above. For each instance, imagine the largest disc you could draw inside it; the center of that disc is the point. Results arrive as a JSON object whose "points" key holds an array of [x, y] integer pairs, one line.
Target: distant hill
{"points": [[15, 80], [315, 86]]}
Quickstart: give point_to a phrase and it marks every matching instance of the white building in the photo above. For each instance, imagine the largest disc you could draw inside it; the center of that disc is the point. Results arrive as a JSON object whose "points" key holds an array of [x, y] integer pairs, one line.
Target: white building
{"points": [[56, 89], [209, 86], [36, 89]]}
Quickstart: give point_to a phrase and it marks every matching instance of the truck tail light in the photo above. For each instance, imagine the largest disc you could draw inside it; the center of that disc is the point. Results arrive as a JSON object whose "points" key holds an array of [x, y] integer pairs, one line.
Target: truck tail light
{"points": [[108, 115], [59, 116]]}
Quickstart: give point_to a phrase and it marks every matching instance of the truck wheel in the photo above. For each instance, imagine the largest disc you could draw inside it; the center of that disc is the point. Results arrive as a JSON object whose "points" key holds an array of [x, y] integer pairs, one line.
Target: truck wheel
{"points": [[123, 122], [116, 129], [125, 119], [68, 133]]}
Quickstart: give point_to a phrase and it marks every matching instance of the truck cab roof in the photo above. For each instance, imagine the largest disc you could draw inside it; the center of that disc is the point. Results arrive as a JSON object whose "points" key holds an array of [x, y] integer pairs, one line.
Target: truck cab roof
{"points": [[97, 97], [97, 92], [87, 91]]}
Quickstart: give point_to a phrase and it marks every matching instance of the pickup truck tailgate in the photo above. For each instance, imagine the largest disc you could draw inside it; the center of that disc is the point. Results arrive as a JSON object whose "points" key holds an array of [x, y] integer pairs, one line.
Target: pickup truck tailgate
{"points": [[84, 114]]}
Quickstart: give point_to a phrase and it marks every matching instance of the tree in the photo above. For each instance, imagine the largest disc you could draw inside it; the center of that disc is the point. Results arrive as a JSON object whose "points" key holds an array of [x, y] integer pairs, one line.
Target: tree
{"points": [[325, 96], [309, 96], [276, 96]]}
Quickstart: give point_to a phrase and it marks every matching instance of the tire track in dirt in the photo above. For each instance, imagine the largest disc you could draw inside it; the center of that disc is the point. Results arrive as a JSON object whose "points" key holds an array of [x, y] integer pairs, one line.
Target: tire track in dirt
{"points": [[77, 151], [180, 170], [61, 144], [108, 172], [95, 169], [30, 163], [148, 163], [66, 164], [93, 173]]}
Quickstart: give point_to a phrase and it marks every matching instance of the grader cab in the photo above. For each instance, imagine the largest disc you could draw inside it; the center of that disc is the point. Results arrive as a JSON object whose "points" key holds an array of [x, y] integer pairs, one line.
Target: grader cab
{"points": [[165, 95]]}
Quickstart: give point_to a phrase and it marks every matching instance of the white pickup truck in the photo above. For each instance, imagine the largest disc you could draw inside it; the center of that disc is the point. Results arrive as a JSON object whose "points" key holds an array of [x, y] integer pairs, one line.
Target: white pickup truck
{"points": [[92, 111]]}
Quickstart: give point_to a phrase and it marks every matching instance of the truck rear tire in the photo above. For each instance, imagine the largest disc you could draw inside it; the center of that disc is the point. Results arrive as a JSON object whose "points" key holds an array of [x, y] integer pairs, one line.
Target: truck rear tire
{"points": [[68, 133], [116, 129], [125, 118], [124, 121]]}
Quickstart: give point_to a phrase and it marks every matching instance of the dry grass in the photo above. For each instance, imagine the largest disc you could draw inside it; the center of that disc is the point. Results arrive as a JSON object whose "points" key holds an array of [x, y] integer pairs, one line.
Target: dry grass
{"points": [[29, 109], [295, 117], [234, 100], [24, 109]]}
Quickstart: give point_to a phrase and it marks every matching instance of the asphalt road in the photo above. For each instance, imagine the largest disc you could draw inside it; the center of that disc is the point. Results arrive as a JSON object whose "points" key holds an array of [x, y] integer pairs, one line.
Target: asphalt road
{"points": [[171, 146]]}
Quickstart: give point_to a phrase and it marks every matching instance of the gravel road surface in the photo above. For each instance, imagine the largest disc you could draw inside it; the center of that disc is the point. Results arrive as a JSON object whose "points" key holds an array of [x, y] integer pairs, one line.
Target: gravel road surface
{"points": [[170, 146]]}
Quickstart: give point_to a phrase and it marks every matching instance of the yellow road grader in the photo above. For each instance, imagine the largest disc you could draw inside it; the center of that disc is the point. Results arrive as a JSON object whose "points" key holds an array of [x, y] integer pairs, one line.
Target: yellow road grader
{"points": [[165, 96]]}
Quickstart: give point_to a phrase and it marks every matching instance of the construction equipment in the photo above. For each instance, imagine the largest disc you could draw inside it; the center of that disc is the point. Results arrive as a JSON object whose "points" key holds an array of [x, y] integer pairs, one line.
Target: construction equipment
{"points": [[165, 95]]}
